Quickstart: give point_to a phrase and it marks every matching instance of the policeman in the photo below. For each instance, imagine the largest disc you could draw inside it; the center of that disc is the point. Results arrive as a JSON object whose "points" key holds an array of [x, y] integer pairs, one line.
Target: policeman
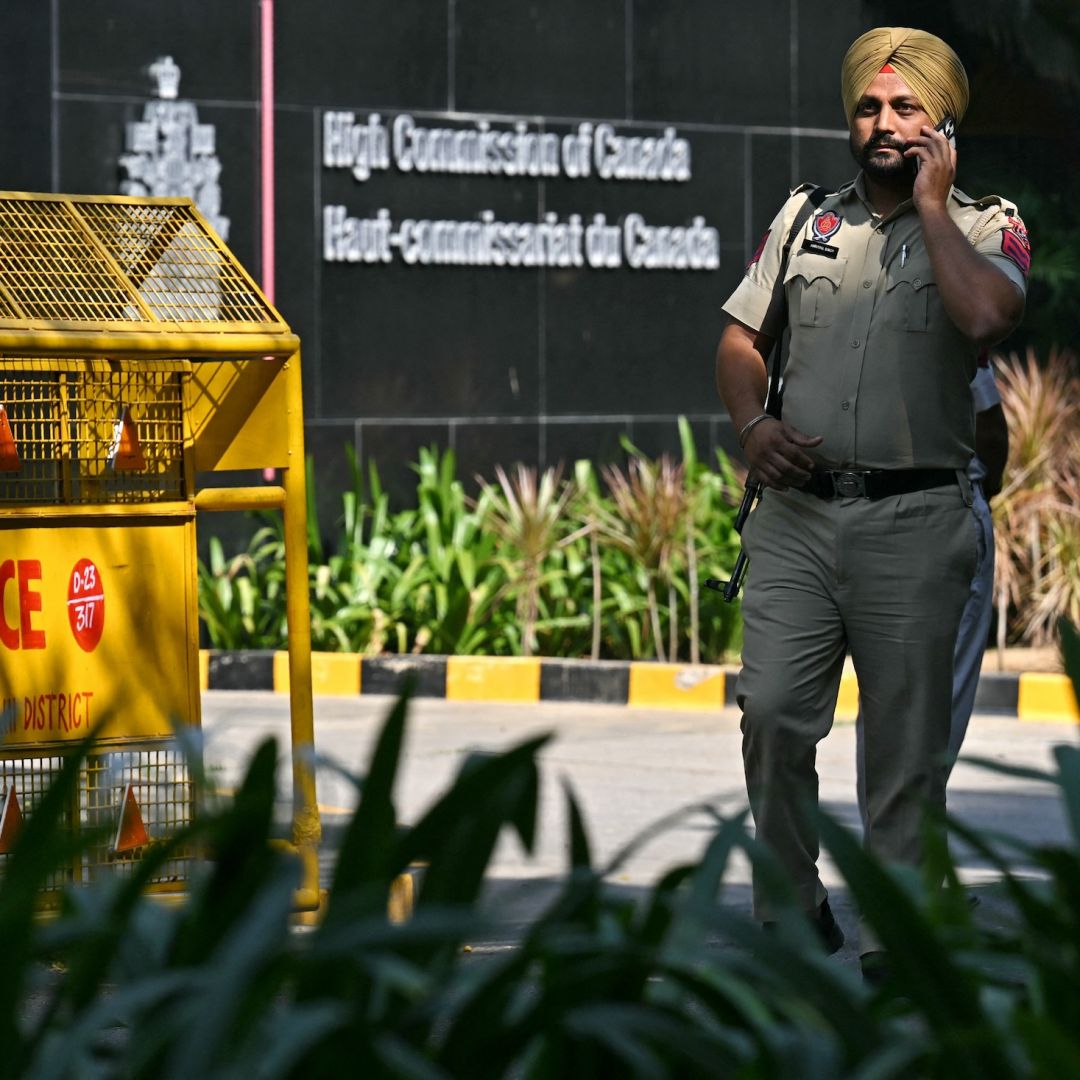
{"points": [[865, 540]]}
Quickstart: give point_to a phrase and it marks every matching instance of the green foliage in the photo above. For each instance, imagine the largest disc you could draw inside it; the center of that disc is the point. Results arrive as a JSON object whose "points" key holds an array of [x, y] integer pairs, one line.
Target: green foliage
{"points": [[676, 983], [526, 514], [242, 600], [1037, 513], [537, 565], [1052, 218]]}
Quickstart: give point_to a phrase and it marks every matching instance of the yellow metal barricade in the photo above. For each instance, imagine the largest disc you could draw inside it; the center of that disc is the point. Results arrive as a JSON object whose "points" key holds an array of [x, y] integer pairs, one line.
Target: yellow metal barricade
{"points": [[136, 355]]}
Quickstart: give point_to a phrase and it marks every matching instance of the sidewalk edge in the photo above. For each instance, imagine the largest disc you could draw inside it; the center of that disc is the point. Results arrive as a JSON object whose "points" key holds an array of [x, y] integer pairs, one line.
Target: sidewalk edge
{"points": [[1036, 697]]}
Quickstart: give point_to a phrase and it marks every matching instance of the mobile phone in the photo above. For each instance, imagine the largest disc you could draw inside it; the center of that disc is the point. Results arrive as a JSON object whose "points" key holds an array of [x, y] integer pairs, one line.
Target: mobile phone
{"points": [[947, 127]]}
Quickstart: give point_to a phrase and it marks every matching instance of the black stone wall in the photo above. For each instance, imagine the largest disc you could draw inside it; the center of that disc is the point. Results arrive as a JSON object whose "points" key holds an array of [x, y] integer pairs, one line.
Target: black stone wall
{"points": [[501, 364]]}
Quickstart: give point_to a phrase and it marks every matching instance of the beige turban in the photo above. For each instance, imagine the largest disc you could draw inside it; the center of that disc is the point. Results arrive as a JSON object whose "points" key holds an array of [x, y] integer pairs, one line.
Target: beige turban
{"points": [[923, 61]]}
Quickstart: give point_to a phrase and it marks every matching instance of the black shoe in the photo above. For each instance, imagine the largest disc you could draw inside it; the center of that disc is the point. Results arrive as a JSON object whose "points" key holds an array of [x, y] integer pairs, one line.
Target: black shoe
{"points": [[875, 969], [832, 937], [825, 926]]}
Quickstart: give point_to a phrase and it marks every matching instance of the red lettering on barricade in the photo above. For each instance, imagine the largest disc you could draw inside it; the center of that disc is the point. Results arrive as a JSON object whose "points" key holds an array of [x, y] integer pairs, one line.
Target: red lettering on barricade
{"points": [[9, 635], [29, 602], [86, 604], [29, 569], [71, 712]]}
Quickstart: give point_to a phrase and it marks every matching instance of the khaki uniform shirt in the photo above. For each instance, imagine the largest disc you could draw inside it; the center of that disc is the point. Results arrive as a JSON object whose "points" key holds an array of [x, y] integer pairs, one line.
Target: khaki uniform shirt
{"points": [[875, 365]]}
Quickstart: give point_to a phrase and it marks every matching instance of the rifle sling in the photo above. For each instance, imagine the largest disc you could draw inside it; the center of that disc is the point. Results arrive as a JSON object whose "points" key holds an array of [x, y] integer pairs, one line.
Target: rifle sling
{"points": [[778, 302]]}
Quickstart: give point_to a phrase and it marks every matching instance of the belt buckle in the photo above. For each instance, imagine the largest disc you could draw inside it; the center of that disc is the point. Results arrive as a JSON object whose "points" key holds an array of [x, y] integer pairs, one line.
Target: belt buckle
{"points": [[850, 485]]}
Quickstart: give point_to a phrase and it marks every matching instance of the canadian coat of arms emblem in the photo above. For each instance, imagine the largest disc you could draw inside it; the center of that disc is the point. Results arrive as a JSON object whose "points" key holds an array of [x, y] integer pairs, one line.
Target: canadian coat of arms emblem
{"points": [[169, 152]]}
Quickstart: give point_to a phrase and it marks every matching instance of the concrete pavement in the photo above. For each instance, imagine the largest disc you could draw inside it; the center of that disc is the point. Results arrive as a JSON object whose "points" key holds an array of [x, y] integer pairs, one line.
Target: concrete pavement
{"points": [[629, 767]]}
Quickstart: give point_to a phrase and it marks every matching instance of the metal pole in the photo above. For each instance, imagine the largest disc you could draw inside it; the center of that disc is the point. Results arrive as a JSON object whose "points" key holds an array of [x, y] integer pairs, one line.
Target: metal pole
{"points": [[307, 830], [266, 142], [245, 498], [266, 156], [42, 343]]}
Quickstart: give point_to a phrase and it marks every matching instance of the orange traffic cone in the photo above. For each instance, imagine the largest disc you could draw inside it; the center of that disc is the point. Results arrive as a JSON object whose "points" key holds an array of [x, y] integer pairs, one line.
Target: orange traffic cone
{"points": [[10, 820], [126, 454], [130, 830], [9, 454]]}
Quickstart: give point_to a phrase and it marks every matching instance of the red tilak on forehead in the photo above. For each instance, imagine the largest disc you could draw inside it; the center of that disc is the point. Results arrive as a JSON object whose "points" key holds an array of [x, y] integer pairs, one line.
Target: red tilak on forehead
{"points": [[888, 69]]}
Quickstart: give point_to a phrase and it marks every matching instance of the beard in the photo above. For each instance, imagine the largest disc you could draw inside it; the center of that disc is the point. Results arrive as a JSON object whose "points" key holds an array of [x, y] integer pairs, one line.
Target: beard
{"points": [[890, 170]]}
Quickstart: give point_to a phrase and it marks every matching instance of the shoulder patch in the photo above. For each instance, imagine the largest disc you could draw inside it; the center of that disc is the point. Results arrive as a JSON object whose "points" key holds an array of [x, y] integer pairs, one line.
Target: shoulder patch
{"points": [[1015, 243], [758, 250]]}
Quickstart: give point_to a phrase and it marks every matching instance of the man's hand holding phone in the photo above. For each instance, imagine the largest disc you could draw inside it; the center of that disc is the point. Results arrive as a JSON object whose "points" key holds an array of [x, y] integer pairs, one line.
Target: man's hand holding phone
{"points": [[934, 152], [947, 127]]}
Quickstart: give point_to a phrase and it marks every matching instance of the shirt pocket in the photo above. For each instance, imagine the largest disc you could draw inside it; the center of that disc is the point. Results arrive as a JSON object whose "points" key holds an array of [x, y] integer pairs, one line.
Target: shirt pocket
{"points": [[908, 291], [813, 287]]}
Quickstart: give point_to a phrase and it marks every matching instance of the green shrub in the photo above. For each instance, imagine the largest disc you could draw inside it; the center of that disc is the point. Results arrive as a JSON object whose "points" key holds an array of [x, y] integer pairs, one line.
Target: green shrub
{"points": [[537, 565], [677, 985]]}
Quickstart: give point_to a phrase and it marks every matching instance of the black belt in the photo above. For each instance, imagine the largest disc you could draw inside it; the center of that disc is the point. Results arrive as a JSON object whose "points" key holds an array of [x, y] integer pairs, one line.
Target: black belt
{"points": [[874, 483]]}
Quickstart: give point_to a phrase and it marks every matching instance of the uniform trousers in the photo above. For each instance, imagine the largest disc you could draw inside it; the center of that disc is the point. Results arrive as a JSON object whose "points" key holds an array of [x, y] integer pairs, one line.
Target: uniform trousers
{"points": [[886, 580], [970, 645]]}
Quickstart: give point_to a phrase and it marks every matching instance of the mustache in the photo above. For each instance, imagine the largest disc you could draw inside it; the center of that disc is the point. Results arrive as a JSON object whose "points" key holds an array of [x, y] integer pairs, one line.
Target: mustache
{"points": [[887, 142]]}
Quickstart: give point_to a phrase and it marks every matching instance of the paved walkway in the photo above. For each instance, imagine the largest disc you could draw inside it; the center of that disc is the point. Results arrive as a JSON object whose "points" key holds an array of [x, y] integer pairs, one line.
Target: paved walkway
{"points": [[629, 767]]}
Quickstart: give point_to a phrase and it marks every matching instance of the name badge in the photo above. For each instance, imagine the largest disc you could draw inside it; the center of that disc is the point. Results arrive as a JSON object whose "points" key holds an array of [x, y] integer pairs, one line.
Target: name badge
{"points": [[819, 247]]}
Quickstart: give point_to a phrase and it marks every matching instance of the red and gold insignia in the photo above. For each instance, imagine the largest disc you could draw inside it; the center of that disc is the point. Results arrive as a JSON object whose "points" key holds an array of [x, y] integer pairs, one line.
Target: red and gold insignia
{"points": [[1015, 243], [826, 224], [758, 250]]}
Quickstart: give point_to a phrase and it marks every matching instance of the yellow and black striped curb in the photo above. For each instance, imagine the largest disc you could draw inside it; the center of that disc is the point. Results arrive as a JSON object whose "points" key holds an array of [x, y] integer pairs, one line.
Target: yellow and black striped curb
{"points": [[1030, 696]]}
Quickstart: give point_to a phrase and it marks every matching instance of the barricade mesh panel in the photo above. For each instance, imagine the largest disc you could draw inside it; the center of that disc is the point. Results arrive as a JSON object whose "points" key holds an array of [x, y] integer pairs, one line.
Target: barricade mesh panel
{"points": [[76, 262], [161, 783], [160, 780], [31, 777], [51, 271], [179, 270], [65, 423], [32, 403]]}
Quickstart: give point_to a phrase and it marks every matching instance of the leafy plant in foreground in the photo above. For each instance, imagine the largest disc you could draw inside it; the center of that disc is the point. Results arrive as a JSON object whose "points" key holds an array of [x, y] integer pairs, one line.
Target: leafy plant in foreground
{"points": [[678, 982]]}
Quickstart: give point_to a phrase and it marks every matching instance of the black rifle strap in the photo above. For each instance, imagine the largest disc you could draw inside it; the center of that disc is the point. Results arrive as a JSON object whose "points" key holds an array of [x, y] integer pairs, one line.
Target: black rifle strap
{"points": [[778, 302]]}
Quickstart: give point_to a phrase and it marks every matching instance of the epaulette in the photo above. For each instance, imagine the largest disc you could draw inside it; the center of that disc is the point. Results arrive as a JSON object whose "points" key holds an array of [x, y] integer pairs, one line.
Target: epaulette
{"points": [[984, 203], [989, 206], [803, 189]]}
